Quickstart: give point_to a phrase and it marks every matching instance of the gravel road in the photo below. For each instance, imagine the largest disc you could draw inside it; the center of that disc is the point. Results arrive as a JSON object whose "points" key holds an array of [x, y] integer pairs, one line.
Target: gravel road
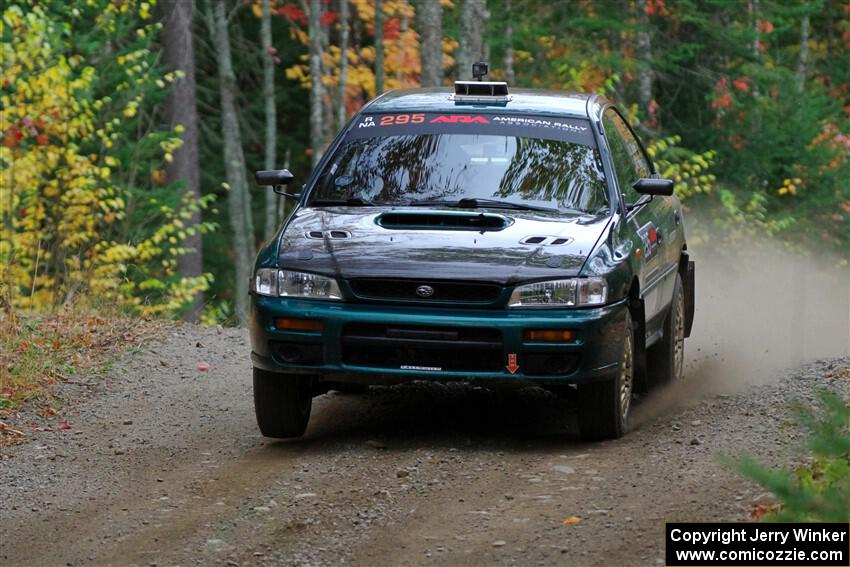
{"points": [[163, 465]]}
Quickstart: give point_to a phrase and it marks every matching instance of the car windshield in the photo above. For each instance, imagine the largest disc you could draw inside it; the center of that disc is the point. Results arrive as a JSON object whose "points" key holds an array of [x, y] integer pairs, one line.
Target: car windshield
{"points": [[482, 169]]}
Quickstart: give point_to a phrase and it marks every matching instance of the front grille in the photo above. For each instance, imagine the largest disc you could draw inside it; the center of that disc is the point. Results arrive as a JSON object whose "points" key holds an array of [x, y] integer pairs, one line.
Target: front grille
{"points": [[456, 349], [394, 289]]}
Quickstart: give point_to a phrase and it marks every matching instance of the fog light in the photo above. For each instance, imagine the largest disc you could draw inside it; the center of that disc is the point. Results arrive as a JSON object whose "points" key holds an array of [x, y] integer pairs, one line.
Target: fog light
{"points": [[304, 354], [557, 364], [291, 324], [289, 353], [549, 335]]}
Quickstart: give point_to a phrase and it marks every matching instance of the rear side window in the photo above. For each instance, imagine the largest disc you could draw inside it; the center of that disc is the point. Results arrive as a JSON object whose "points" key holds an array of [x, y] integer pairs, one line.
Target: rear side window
{"points": [[629, 160]]}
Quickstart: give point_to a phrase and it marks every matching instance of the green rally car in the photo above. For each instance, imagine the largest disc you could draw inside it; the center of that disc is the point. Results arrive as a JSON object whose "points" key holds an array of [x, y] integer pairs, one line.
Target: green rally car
{"points": [[477, 234]]}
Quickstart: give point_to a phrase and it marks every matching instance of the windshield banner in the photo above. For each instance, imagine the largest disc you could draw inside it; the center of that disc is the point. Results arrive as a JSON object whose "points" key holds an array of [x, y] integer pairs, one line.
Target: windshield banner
{"points": [[573, 130]]}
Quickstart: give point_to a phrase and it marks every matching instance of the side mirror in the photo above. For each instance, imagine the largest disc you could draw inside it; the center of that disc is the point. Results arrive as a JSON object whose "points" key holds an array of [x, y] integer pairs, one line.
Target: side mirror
{"points": [[276, 179], [649, 186], [272, 177]]}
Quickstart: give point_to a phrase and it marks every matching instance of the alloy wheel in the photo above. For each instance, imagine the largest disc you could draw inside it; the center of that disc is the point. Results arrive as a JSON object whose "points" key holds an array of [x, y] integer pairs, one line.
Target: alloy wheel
{"points": [[626, 377], [679, 338]]}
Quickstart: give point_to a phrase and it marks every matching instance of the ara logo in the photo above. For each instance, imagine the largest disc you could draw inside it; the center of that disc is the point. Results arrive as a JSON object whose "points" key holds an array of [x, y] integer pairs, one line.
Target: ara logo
{"points": [[368, 122], [459, 119]]}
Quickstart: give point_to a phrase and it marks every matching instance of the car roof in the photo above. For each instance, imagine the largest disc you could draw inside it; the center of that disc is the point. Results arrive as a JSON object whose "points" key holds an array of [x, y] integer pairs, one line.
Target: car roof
{"points": [[522, 101]]}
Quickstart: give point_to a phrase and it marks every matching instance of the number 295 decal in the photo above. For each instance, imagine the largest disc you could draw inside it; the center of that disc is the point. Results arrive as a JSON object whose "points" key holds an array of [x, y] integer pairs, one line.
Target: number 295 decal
{"points": [[397, 119]]}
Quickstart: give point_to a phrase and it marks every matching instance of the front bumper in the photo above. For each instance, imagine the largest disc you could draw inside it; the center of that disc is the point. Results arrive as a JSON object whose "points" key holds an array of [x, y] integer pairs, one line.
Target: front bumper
{"points": [[336, 355]]}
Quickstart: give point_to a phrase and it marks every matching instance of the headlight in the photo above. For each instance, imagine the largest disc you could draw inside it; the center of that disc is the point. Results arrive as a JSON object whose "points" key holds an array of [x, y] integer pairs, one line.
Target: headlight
{"points": [[286, 283], [574, 292], [265, 282]]}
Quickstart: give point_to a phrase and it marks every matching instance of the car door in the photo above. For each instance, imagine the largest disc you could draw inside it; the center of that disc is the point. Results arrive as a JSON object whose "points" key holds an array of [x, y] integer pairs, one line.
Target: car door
{"points": [[644, 216], [667, 219]]}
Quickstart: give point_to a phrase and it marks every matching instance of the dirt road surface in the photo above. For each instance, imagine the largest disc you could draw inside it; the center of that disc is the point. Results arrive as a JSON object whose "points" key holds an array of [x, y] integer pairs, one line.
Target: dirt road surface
{"points": [[163, 465]]}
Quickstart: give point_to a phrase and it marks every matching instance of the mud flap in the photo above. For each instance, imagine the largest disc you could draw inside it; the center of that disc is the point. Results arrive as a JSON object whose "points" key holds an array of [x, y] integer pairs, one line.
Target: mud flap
{"points": [[690, 285], [639, 323]]}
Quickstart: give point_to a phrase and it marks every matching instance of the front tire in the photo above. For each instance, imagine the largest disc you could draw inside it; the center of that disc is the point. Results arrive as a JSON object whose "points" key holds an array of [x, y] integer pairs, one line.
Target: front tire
{"points": [[282, 403], [604, 406], [665, 360]]}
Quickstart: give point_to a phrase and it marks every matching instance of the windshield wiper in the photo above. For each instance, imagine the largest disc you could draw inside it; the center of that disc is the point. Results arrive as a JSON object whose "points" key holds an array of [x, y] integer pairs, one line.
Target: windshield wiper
{"points": [[477, 203], [474, 203], [351, 202]]}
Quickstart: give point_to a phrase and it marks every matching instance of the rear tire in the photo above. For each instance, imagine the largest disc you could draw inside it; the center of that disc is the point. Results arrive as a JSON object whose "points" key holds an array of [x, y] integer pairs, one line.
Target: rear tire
{"points": [[282, 403], [665, 359], [604, 406]]}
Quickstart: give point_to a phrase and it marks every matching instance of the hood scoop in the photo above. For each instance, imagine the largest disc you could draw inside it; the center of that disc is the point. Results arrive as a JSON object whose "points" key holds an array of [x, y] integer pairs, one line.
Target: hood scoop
{"points": [[443, 220]]}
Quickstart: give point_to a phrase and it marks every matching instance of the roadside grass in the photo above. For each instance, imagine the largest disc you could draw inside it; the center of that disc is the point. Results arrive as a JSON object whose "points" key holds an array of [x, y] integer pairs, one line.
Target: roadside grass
{"points": [[817, 490], [39, 351]]}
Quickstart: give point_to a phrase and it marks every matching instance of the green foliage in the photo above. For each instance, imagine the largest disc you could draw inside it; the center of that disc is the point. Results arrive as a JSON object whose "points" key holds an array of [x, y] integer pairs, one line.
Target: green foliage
{"points": [[820, 489], [733, 87]]}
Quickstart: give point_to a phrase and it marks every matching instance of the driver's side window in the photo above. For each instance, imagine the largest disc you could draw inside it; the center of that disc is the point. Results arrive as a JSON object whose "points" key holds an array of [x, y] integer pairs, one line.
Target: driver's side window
{"points": [[629, 161]]}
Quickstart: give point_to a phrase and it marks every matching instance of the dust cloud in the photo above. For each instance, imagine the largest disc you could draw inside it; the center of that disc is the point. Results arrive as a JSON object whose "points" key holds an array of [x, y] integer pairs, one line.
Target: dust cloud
{"points": [[760, 311]]}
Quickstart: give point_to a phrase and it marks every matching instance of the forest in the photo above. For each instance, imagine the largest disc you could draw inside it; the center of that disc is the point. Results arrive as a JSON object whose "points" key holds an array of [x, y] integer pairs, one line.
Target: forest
{"points": [[130, 130]]}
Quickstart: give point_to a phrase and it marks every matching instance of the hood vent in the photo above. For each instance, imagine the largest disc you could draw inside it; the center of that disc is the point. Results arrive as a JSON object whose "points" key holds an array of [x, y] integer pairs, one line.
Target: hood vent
{"points": [[332, 234], [532, 240], [442, 221], [546, 240]]}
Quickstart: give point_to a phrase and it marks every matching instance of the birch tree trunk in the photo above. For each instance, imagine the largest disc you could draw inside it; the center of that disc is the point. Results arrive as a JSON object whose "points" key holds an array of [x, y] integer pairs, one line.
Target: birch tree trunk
{"points": [[329, 109], [473, 21], [753, 9], [239, 199], [430, 20], [803, 62], [342, 116], [178, 54], [644, 55], [281, 203], [271, 115], [317, 89], [379, 47], [509, 44], [404, 25]]}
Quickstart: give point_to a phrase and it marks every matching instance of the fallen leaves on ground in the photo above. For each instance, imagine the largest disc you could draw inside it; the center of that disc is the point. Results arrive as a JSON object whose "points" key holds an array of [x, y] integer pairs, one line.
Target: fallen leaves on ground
{"points": [[10, 435], [838, 374], [760, 510], [38, 352], [572, 521]]}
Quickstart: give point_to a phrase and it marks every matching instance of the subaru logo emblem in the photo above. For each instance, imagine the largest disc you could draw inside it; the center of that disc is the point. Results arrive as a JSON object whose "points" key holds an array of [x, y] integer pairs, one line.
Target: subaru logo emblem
{"points": [[424, 291]]}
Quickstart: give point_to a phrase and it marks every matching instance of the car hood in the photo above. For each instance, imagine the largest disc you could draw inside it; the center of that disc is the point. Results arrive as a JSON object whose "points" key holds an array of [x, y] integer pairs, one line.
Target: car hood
{"points": [[351, 242]]}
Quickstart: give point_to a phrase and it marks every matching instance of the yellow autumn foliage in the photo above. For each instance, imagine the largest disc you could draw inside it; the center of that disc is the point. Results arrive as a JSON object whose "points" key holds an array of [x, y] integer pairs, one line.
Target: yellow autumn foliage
{"points": [[690, 171], [63, 203], [401, 54]]}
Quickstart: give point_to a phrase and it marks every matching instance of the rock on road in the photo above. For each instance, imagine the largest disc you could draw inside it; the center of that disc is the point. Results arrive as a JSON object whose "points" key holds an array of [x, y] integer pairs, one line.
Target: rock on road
{"points": [[164, 465]]}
